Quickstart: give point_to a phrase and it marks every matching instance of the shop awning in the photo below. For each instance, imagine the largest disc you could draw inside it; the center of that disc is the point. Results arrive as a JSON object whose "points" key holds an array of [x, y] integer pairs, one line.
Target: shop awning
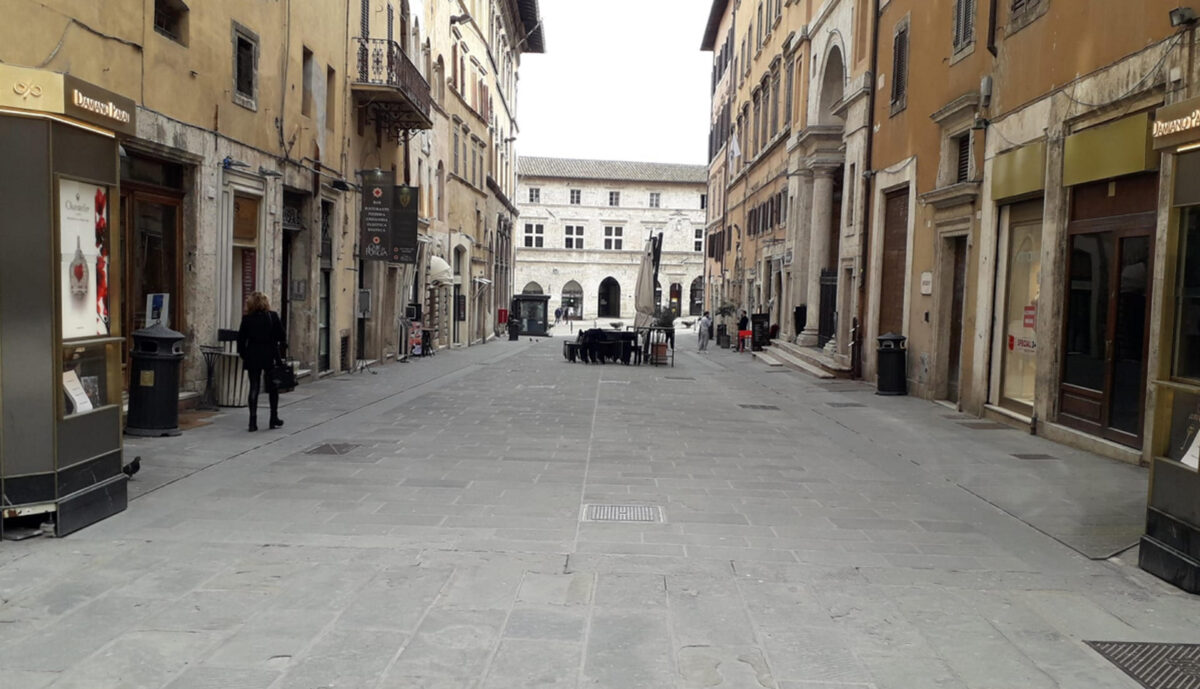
{"points": [[439, 270]]}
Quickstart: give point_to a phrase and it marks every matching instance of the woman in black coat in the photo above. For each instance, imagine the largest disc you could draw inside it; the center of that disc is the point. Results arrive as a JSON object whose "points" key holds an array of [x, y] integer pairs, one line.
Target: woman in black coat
{"points": [[260, 342]]}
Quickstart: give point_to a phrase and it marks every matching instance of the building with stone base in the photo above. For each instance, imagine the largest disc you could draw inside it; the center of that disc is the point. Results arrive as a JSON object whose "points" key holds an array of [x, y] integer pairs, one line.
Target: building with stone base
{"points": [[583, 226]]}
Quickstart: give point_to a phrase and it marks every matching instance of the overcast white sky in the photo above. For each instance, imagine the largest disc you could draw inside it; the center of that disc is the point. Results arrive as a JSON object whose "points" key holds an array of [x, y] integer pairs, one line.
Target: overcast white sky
{"points": [[620, 80]]}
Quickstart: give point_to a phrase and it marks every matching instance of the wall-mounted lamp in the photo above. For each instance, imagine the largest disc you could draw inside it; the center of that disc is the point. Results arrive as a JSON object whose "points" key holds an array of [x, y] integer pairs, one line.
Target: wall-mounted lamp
{"points": [[980, 124], [230, 162], [340, 185], [1182, 16], [459, 18]]}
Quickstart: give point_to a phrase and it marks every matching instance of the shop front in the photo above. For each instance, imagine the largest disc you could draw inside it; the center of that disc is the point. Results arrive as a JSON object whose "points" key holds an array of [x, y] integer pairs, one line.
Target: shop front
{"points": [[1171, 547], [1111, 172], [61, 322]]}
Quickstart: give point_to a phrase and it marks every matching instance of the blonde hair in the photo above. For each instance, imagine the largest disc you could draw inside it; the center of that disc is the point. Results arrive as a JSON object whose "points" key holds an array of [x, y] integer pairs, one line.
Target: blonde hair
{"points": [[257, 301]]}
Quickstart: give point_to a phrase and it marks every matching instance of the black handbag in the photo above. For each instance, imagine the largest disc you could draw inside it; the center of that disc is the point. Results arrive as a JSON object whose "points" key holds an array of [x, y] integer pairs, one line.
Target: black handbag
{"points": [[282, 377]]}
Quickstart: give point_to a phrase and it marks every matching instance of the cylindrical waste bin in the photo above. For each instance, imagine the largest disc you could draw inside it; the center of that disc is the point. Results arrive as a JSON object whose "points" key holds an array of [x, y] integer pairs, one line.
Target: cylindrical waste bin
{"points": [[154, 382], [892, 366], [723, 336]]}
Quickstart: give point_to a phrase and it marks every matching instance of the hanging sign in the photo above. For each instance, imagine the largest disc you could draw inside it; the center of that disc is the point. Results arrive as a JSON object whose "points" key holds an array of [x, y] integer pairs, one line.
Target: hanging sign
{"points": [[375, 216], [404, 225]]}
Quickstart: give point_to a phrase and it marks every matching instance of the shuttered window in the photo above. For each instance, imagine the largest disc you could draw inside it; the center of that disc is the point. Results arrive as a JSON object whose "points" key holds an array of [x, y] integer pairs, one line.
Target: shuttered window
{"points": [[964, 23], [899, 67], [1019, 5], [964, 158]]}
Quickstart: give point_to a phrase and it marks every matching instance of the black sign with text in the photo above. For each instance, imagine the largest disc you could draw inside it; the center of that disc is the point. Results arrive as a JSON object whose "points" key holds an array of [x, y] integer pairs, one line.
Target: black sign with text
{"points": [[760, 329], [404, 225], [376, 216]]}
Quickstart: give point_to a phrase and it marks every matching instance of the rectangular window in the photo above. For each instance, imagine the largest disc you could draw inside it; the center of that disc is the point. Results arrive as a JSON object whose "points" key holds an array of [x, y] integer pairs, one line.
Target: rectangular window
{"points": [[456, 152], [330, 97], [574, 236], [307, 76], [964, 23], [655, 199], [963, 158], [170, 20], [703, 201], [534, 235], [612, 237], [245, 67], [1186, 361], [535, 195], [699, 243], [614, 198], [899, 68], [575, 197]]}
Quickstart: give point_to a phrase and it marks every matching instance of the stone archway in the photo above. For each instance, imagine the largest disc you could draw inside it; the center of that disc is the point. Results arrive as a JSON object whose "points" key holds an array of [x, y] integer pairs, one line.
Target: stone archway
{"points": [[608, 299], [532, 288], [696, 300], [572, 300], [833, 84]]}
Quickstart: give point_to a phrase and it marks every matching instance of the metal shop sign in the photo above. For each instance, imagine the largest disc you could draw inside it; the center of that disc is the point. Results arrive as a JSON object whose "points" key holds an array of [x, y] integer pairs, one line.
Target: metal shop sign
{"points": [[1177, 124], [90, 103], [375, 216], [404, 225]]}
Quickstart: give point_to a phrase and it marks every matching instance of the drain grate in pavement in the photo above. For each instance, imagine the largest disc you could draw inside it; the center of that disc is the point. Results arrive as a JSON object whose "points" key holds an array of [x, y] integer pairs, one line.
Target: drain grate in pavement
{"points": [[621, 513], [678, 378], [758, 406], [1033, 455], [983, 425], [845, 405], [614, 382], [332, 449], [1154, 666]]}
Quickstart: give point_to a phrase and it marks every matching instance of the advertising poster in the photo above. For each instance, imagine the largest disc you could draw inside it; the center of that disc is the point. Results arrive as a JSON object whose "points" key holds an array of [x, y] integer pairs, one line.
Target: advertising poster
{"points": [[83, 242], [404, 225], [376, 216]]}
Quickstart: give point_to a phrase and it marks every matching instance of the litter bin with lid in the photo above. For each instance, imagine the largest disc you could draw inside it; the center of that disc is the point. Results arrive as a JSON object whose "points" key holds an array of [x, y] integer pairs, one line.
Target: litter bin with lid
{"points": [[892, 365], [154, 382]]}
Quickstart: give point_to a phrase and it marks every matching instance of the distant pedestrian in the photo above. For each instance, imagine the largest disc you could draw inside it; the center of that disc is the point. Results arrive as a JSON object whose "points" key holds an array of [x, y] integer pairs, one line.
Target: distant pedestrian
{"points": [[260, 343], [743, 331], [570, 313], [557, 315], [704, 329]]}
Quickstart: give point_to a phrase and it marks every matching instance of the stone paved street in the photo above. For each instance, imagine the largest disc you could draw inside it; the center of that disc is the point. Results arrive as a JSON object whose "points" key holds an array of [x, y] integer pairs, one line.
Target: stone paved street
{"points": [[422, 528]]}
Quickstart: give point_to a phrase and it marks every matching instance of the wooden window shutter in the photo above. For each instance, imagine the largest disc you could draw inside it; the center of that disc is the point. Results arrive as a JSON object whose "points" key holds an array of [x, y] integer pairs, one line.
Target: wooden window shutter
{"points": [[964, 158], [1018, 6], [899, 65]]}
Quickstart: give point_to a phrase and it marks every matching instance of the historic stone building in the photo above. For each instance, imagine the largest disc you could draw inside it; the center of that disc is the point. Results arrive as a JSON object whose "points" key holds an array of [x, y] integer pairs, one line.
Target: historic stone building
{"points": [[584, 225]]}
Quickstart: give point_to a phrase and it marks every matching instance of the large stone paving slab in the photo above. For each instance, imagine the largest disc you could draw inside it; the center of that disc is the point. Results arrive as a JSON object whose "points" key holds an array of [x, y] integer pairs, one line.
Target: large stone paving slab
{"points": [[438, 543]]}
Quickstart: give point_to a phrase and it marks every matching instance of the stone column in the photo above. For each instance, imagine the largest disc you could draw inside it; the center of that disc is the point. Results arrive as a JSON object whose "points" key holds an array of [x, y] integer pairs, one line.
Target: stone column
{"points": [[818, 250]]}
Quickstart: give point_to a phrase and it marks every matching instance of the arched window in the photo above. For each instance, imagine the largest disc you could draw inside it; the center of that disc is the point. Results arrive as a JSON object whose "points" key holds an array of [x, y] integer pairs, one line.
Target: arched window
{"points": [[532, 288], [572, 300], [696, 303]]}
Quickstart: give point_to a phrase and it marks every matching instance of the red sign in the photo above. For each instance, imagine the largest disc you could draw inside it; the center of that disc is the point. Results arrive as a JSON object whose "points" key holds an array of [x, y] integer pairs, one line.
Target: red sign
{"points": [[502, 316], [1030, 320]]}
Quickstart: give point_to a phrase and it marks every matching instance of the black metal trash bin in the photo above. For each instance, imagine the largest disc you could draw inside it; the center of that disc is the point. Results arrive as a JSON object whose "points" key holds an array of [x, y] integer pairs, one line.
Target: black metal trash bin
{"points": [[154, 382], [514, 328], [893, 365], [723, 336]]}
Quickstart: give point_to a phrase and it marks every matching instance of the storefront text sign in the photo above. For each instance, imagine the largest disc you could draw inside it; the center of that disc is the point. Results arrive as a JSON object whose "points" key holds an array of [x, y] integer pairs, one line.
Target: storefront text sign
{"points": [[1030, 320], [376, 216], [90, 103], [1177, 124], [404, 225]]}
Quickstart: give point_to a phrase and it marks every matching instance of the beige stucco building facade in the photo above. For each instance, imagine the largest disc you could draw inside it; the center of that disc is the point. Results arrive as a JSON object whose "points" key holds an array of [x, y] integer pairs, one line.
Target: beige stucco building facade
{"points": [[583, 229]]}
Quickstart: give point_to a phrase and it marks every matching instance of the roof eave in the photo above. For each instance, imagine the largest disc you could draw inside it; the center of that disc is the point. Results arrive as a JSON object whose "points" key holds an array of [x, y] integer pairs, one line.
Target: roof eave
{"points": [[714, 23], [531, 18]]}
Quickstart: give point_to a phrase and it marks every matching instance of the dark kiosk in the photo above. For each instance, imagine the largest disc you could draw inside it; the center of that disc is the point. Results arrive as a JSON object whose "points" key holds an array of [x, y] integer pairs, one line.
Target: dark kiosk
{"points": [[60, 333]]}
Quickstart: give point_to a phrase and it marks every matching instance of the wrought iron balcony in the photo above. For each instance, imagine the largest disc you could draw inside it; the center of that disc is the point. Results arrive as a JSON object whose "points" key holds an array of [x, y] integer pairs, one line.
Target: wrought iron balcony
{"points": [[389, 87]]}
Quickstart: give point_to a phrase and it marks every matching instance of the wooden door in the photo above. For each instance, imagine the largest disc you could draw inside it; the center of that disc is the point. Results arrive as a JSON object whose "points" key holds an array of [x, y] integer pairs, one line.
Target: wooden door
{"points": [[958, 293], [895, 262]]}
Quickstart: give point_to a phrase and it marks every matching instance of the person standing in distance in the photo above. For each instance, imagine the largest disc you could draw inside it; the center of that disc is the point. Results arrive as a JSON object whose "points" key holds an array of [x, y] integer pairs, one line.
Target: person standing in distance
{"points": [[260, 341], [702, 328]]}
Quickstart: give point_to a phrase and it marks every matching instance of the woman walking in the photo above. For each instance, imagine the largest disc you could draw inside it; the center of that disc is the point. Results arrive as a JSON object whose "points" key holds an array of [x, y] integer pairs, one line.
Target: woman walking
{"points": [[261, 341]]}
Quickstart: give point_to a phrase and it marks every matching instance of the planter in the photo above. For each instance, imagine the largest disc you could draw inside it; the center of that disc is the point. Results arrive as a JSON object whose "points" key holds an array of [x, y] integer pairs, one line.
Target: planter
{"points": [[658, 353]]}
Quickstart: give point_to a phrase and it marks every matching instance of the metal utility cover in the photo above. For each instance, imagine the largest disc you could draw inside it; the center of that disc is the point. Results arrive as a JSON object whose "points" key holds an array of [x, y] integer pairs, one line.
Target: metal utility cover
{"points": [[1154, 666], [621, 513], [1034, 455], [758, 406], [332, 449], [845, 405], [984, 425]]}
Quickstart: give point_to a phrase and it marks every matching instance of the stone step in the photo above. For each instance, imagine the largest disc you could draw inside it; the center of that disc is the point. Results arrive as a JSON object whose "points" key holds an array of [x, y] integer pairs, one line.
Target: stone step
{"points": [[791, 361], [767, 358], [813, 357]]}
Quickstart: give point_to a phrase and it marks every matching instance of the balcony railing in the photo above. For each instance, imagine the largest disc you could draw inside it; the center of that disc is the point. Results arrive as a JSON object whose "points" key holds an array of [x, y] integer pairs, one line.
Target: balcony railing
{"points": [[381, 62]]}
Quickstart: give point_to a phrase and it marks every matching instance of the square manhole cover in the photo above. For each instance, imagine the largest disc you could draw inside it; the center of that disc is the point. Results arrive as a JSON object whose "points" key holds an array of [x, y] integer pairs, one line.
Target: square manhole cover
{"points": [[758, 406], [1033, 455], [1154, 666], [845, 405], [983, 425], [622, 513], [332, 449]]}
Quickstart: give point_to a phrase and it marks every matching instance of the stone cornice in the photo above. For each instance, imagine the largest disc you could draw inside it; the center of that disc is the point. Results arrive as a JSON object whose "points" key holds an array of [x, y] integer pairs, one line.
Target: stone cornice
{"points": [[957, 107], [961, 194]]}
